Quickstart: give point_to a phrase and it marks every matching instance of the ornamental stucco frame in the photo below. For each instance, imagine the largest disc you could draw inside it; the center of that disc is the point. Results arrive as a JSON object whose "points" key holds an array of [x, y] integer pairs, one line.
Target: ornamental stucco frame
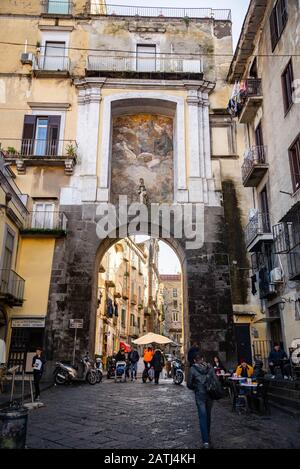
{"points": [[180, 176]]}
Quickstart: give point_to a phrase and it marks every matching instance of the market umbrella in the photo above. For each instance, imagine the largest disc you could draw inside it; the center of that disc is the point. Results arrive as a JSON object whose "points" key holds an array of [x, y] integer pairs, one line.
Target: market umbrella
{"points": [[152, 338]]}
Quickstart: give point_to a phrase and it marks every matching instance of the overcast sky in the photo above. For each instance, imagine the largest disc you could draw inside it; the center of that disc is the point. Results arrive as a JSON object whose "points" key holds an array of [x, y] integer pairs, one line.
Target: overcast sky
{"points": [[238, 8]]}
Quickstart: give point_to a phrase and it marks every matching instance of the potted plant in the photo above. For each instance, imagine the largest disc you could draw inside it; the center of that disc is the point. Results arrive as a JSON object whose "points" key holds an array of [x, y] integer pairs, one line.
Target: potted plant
{"points": [[187, 20], [11, 151], [71, 151]]}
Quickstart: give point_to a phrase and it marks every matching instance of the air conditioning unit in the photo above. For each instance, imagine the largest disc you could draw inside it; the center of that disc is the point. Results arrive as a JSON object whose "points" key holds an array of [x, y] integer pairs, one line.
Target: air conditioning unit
{"points": [[276, 275], [27, 58]]}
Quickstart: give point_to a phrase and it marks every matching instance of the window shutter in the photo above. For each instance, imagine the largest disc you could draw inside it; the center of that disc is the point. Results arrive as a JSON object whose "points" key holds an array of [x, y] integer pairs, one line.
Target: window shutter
{"points": [[282, 15], [28, 135], [273, 29], [53, 135]]}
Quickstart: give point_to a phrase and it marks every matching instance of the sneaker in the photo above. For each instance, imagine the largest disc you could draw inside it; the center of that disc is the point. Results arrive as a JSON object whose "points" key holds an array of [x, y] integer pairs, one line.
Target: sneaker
{"points": [[206, 446]]}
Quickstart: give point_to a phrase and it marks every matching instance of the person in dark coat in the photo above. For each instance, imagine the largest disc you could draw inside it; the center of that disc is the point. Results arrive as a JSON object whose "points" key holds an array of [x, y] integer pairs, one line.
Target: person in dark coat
{"points": [[158, 362], [133, 360], [193, 351], [199, 372], [277, 357]]}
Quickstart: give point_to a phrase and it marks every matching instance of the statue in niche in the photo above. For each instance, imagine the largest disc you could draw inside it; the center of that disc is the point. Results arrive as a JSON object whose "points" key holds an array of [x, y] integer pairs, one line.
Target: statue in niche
{"points": [[143, 192]]}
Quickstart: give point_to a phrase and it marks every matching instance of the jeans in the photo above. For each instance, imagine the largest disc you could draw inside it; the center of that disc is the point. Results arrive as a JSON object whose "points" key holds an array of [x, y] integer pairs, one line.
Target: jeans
{"points": [[133, 369], [37, 378], [204, 406]]}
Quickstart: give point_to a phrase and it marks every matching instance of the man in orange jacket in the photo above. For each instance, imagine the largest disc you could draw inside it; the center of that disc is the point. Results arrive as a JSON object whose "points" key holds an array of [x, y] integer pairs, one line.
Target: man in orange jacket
{"points": [[148, 355]]}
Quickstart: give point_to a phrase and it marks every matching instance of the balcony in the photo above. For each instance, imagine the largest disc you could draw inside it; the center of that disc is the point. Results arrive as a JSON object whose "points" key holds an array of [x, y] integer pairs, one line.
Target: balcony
{"points": [[251, 100], [58, 7], [11, 287], [36, 152], [48, 66], [133, 299], [125, 294], [134, 331], [294, 263], [45, 224], [255, 166], [97, 7], [133, 64], [258, 231]]}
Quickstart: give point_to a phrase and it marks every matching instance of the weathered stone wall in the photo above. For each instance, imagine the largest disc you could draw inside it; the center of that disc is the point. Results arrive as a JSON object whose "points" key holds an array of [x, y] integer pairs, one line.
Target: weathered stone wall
{"points": [[73, 287]]}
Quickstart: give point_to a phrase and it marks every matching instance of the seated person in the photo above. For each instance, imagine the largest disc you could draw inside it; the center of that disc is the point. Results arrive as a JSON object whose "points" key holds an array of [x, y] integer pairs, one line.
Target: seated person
{"points": [[218, 365], [258, 371], [244, 370], [277, 357]]}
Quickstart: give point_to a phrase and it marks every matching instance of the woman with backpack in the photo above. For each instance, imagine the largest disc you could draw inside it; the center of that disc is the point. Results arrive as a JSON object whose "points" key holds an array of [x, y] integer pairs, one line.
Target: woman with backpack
{"points": [[203, 381]]}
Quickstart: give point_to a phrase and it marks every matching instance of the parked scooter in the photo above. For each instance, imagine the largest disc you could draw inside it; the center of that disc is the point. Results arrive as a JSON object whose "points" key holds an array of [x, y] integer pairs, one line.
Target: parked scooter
{"points": [[65, 373], [177, 372], [99, 369]]}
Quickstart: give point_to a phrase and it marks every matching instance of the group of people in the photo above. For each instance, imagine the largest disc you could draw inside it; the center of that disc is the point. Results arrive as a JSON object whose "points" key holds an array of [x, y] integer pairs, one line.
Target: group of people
{"points": [[153, 358]]}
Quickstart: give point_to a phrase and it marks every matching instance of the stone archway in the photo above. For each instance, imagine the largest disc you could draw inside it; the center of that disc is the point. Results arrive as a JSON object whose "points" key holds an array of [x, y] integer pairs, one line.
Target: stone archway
{"points": [[176, 246]]}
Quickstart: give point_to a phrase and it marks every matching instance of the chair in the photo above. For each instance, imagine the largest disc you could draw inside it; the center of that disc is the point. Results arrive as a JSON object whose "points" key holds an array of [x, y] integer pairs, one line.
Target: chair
{"points": [[239, 401], [261, 397]]}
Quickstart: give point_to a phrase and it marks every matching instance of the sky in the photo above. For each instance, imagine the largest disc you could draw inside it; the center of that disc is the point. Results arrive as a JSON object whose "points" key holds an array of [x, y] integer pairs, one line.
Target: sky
{"points": [[238, 8], [168, 261]]}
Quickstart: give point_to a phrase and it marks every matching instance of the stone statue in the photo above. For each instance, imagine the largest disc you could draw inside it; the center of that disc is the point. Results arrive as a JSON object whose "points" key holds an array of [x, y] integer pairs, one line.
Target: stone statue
{"points": [[143, 192]]}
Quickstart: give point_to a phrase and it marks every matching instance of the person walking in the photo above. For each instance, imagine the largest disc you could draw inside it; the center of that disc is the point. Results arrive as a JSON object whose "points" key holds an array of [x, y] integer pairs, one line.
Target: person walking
{"points": [[193, 351], [148, 355], [199, 374], [38, 363], [158, 362], [133, 360]]}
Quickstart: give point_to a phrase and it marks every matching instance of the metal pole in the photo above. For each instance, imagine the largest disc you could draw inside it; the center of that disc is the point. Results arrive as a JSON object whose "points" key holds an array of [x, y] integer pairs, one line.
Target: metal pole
{"points": [[74, 350], [23, 385]]}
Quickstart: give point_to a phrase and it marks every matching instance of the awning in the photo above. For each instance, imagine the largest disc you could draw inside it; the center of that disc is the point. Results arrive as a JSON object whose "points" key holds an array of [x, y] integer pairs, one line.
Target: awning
{"points": [[125, 346], [152, 338]]}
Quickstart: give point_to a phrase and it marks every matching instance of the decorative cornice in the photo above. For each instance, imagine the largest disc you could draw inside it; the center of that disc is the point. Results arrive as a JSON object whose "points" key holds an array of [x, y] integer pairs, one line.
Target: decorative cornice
{"points": [[41, 105], [44, 27]]}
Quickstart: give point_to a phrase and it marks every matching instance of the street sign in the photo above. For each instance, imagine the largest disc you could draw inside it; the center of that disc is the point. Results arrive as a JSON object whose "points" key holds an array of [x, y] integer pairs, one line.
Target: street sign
{"points": [[76, 324]]}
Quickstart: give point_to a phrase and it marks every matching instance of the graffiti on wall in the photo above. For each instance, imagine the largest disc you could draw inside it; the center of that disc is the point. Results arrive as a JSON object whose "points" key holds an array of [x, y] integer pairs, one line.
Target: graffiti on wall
{"points": [[142, 147]]}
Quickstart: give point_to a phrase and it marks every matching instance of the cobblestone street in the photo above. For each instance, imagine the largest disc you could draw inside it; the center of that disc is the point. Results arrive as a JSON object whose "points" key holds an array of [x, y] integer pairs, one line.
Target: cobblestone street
{"points": [[134, 415]]}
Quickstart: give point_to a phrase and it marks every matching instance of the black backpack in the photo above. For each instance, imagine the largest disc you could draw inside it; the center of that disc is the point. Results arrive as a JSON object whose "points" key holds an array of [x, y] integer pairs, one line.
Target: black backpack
{"points": [[213, 387]]}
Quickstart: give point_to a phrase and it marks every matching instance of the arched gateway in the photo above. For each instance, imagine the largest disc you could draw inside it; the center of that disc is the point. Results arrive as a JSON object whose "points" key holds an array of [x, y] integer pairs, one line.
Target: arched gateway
{"points": [[131, 136]]}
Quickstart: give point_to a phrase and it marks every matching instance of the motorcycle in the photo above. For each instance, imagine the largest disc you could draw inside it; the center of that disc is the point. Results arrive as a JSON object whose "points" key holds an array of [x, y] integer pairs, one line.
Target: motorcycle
{"points": [[99, 369], [148, 373], [177, 372], [111, 368], [65, 373]]}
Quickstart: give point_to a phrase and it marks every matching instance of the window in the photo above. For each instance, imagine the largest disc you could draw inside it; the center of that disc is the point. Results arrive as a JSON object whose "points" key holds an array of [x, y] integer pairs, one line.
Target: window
{"points": [[259, 141], [175, 304], [139, 323], [287, 79], [175, 292], [223, 136], [146, 58], [7, 261], [60, 7], [43, 215], [278, 20], [294, 153], [132, 321], [55, 56], [40, 135], [175, 316], [123, 317], [264, 223]]}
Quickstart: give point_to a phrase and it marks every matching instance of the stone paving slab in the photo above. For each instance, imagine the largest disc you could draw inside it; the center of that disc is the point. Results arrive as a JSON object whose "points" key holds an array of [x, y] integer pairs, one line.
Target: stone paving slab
{"points": [[135, 415]]}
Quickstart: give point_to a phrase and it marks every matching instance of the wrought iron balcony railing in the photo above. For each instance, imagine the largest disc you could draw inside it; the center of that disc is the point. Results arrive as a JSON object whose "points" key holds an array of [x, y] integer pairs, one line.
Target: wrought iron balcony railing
{"points": [[50, 63], [58, 7], [98, 8], [11, 287], [46, 221], [254, 166], [251, 99], [160, 63], [38, 148], [259, 225]]}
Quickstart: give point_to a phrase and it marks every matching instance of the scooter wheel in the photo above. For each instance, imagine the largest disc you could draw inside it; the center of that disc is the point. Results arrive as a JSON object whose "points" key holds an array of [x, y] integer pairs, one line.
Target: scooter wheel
{"points": [[91, 378], [59, 380]]}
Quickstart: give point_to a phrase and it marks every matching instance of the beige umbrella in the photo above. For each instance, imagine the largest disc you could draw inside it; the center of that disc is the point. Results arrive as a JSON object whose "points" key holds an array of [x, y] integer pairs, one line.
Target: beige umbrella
{"points": [[152, 338]]}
